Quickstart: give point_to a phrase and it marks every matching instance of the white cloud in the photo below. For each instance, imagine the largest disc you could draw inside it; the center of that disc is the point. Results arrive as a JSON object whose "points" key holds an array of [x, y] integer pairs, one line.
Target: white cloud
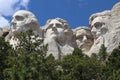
{"points": [[3, 21], [24, 3], [8, 7]]}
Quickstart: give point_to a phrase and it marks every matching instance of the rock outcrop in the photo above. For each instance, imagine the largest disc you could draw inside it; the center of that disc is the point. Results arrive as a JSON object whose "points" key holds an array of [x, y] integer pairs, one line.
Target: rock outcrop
{"points": [[105, 27], [21, 21], [99, 23], [84, 38], [61, 39]]}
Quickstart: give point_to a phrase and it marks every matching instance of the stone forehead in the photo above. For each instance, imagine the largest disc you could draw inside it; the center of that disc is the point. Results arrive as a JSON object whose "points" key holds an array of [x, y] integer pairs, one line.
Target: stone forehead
{"points": [[97, 19], [24, 13], [54, 21], [104, 13], [80, 28], [57, 20]]}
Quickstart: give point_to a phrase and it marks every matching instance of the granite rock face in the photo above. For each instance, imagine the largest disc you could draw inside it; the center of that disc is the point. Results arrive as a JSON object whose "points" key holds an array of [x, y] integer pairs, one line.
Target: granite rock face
{"points": [[105, 26], [84, 38], [23, 20], [61, 39], [99, 23], [4, 31], [114, 35]]}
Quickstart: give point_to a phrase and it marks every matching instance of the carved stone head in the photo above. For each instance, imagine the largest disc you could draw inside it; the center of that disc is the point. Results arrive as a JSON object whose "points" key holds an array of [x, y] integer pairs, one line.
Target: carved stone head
{"points": [[23, 20], [99, 23], [84, 38], [57, 29]]}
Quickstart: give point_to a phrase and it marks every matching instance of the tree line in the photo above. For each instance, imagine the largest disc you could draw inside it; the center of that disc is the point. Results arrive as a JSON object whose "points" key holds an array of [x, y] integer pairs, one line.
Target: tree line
{"points": [[28, 61]]}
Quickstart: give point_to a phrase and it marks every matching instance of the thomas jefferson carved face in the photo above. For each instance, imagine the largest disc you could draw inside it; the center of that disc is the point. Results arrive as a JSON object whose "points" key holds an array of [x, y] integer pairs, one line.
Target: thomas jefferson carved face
{"points": [[55, 29], [58, 29], [84, 38]]}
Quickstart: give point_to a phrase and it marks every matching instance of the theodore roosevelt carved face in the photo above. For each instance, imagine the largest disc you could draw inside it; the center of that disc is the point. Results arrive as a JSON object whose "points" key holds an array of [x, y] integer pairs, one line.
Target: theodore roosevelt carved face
{"points": [[84, 38]]}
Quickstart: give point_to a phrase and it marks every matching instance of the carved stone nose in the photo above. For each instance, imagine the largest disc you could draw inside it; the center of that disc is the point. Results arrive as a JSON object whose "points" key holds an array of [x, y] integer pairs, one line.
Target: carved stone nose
{"points": [[13, 20], [13, 23], [54, 28], [84, 38], [93, 30]]}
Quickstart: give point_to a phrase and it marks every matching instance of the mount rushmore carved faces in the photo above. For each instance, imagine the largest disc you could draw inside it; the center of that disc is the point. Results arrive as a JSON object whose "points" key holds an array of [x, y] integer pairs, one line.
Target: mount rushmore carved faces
{"points": [[23, 20], [84, 38]]}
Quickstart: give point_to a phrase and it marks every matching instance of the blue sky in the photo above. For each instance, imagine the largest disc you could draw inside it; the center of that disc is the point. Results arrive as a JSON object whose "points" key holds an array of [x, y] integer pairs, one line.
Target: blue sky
{"points": [[76, 12]]}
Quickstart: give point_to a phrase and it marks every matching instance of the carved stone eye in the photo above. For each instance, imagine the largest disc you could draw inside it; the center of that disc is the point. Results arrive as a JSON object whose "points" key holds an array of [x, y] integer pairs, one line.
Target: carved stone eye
{"points": [[98, 25], [80, 37], [49, 26], [59, 25], [19, 18]]}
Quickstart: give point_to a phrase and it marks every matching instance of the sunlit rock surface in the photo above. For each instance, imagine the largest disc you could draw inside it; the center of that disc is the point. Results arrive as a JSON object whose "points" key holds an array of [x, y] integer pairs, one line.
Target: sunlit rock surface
{"points": [[21, 21], [105, 27], [84, 38], [61, 39]]}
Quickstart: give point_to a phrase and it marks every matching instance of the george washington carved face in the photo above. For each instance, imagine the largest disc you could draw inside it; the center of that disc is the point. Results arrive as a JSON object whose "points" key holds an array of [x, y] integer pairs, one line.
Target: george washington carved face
{"points": [[23, 20]]}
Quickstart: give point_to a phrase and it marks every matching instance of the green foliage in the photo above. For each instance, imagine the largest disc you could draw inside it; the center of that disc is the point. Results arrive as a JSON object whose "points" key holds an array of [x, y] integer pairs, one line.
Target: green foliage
{"points": [[112, 70], [78, 66], [78, 52], [28, 61], [4, 49], [102, 53], [114, 59]]}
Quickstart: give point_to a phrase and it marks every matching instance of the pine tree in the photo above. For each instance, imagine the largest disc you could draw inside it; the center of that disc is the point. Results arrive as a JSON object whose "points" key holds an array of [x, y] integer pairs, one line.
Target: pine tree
{"points": [[29, 61], [102, 55], [4, 49], [112, 70]]}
